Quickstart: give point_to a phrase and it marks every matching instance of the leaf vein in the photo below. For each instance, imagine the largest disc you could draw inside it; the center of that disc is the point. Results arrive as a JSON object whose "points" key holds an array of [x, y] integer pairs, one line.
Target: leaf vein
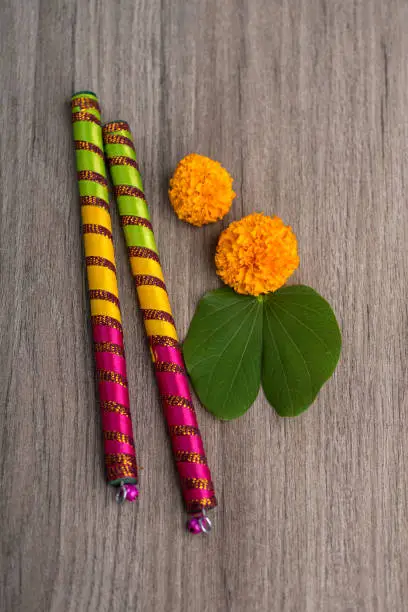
{"points": [[280, 359], [197, 348], [296, 347], [216, 311], [306, 327], [242, 358], [226, 347]]}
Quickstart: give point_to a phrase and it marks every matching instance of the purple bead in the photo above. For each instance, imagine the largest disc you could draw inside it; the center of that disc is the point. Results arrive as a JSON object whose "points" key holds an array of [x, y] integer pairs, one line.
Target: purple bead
{"points": [[194, 526], [132, 492]]}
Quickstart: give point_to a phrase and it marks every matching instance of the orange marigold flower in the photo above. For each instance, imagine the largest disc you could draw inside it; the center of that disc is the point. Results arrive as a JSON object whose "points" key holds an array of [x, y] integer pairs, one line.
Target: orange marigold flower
{"points": [[256, 254], [200, 190]]}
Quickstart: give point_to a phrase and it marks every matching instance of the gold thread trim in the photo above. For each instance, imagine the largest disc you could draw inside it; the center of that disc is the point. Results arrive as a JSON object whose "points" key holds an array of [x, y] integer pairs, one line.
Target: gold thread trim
{"points": [[90, 175], [184, 430], [107, 321], [116, 126], [94, 201], [84, 145], [134, 220], [95, 260], [197, 483], [164, 341], [85, 103], [109, 347], [101, 294], [92, 228], [122, 160], [120, 458], [177, 400], [117, 436], [138, 251], [83, 116], [109, 376], [156, 315], [147, 279], [128, 190], [188, 457], [118, 139], [110, 406], [167, 366]]}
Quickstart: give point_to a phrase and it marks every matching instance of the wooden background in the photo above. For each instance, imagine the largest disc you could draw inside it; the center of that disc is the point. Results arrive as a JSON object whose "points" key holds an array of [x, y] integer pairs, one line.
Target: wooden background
{"points": [[306, 103]]}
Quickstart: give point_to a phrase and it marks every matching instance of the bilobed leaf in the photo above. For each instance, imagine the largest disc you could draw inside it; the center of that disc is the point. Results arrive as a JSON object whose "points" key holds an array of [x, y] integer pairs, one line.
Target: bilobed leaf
{"points": [[223, 350], [301, 347], [289, 338]]}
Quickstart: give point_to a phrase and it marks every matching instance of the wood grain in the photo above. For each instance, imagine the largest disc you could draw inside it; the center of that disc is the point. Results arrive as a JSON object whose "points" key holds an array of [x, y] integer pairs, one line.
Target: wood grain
{"points": [[306, 103]]}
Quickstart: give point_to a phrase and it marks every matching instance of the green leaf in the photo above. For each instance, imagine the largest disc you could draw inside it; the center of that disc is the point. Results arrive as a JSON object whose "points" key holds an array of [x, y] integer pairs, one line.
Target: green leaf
{"points": [[290, 338], [301, 347], [223, 350]]}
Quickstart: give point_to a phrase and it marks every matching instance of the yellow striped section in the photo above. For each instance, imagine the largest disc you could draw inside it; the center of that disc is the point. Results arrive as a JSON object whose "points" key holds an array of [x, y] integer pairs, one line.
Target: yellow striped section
{"points": [[104, 307], [102, 278], [96, 215], [97, 245], [160, 328], [153, 297], [142, 265]]}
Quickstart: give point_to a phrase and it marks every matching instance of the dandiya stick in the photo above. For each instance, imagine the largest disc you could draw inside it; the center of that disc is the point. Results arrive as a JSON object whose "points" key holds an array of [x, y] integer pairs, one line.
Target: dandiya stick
{"points": [[188, 450], [119, 449]]}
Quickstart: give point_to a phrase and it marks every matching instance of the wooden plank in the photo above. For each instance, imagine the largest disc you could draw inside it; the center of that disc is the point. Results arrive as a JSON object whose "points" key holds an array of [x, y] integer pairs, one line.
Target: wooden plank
{"points": [[305, 102]]}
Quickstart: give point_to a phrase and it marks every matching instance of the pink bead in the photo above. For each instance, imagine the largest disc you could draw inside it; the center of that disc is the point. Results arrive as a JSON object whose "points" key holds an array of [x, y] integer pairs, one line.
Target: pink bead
{"points": [[194, 526], [132, 492]]}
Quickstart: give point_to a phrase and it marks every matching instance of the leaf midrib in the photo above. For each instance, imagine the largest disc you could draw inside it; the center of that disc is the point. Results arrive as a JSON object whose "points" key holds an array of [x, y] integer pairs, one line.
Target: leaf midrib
{"points": [[280, 359], [226, 347], [296, 347], [245, 348]]}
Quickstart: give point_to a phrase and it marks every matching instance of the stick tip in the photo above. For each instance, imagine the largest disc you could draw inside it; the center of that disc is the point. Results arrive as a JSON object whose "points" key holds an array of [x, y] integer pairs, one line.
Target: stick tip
{"points": [[84, 92]]}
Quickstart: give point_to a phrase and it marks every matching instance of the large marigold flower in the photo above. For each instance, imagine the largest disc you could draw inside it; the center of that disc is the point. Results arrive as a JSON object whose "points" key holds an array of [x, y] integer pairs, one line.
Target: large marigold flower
{"points": [[256, 254], [200, 190]]}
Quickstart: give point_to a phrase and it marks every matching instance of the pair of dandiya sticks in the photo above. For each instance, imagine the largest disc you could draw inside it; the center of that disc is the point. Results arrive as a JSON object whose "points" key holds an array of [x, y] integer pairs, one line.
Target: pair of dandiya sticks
{"points": [[113, 146]]}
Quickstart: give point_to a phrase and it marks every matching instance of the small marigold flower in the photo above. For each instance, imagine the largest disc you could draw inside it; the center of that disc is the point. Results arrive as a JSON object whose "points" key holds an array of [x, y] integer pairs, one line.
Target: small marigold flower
{"points": [[200, 190], [256, 254]]}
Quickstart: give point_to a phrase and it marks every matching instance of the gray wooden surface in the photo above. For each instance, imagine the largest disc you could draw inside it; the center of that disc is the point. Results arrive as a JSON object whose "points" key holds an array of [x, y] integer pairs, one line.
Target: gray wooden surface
{"points": [[306, 103]]}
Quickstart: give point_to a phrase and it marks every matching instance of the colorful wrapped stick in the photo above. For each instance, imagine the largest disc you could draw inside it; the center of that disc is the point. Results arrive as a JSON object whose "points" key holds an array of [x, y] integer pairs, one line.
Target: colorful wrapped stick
{"points": [[107, 331], [188, 450]]}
